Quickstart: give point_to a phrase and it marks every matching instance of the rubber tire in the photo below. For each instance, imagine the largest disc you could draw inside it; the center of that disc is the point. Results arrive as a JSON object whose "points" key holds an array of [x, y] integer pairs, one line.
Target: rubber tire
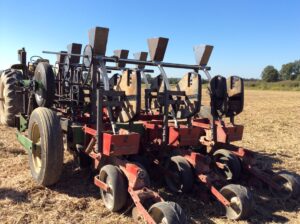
{"points": [[12, 104], [292, 181], [245, 198], [118, 187], [44, 73], [141, 159], [171, 211], [51, 146], [234, 163], [147, 180], [185, 172]]}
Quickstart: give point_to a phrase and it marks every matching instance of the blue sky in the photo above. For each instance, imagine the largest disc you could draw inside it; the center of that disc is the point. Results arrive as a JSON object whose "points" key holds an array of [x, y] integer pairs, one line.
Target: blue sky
{"points": [[247, 34]]}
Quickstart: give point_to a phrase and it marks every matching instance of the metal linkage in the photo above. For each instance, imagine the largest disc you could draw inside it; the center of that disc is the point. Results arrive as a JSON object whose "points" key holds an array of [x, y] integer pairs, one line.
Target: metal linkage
{"points": [[135, 62]]}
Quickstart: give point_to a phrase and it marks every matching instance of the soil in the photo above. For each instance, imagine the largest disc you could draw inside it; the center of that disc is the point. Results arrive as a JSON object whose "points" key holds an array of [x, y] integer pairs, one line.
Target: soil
{"points": [[272, 129]]}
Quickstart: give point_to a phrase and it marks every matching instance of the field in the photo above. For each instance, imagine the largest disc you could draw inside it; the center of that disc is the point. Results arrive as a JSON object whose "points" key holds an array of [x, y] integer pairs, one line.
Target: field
{"points": [[272, 127], [290, 85]]}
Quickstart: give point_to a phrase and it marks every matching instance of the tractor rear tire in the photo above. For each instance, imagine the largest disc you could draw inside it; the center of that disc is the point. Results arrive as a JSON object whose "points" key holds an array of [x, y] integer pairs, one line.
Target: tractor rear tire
{"points": [[10, 101], [44, 74], [167, 212], [45, 161], [116, 196], [180, 178]]}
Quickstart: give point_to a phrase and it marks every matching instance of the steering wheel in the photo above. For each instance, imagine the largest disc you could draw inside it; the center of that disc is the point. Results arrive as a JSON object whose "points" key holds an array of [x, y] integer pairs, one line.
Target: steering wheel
{"points": [[34, 58]]}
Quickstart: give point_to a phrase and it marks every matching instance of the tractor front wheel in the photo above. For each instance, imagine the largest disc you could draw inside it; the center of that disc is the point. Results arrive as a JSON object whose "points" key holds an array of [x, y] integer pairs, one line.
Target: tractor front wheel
{"points": [[46, 158], [44, 75]]}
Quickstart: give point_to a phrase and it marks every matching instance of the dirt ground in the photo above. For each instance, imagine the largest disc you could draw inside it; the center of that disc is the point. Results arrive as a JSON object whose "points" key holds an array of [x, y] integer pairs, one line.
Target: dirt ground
{"points": [[272, 128]]}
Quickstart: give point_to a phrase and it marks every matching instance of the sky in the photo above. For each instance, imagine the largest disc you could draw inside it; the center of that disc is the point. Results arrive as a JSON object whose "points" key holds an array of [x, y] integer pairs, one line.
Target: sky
{"points": [[247, 35]]}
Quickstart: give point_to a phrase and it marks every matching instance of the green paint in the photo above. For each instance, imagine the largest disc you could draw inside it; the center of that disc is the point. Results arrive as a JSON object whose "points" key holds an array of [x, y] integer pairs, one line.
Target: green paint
{"points": [[23, 124], [28, 83], [27, 143]]}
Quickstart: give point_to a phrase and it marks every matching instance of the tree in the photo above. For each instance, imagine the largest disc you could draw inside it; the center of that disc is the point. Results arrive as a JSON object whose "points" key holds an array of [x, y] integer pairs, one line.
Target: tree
{"points": [[270, 74], [287, 71], [297, 69], [173, 81]]}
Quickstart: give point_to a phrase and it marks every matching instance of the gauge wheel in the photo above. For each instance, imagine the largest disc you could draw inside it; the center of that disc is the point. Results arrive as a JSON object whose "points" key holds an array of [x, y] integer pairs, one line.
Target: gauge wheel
{"points": [[289, 186], [231, 164], [167, 213], [179, 177], [240, 199], [116, 196]]}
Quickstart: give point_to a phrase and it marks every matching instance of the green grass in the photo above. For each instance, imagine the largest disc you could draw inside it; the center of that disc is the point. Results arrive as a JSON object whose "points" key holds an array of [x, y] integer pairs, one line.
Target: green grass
{"points": [[287, 85]]}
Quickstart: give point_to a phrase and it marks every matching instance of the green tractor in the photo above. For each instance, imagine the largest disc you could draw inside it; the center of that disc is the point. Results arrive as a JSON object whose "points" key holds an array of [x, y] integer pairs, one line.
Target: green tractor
{"points": [[11, 81]]}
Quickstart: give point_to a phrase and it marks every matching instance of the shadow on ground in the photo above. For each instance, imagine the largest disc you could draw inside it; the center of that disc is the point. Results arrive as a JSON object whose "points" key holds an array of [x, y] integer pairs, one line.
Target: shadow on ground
{"points": [[199, 205], [76, 182], [13, 195]]}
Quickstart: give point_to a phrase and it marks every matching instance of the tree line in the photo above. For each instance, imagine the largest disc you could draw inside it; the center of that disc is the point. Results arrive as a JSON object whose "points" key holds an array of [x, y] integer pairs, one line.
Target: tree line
{"points": [[289, 71]]}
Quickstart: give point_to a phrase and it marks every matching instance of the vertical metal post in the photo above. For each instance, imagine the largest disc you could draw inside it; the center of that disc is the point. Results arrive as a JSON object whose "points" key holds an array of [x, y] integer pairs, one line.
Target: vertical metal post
{"points": [[212, 108], [25, 100], [207, 74], [71, 91], [99, 106], [95, 80], [103, 74], [59, 78], [165, 117], [168, 87]]}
